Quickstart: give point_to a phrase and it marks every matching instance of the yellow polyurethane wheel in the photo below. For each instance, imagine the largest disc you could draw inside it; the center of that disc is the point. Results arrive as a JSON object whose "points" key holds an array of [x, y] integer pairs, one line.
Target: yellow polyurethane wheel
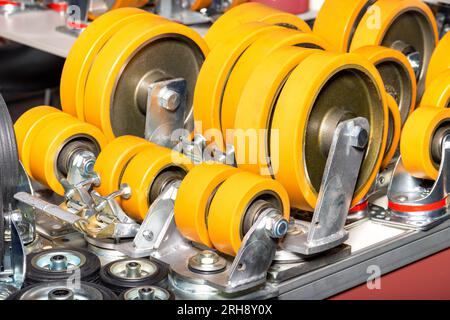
{"points": [[231, 202], [230, 22], [117, 4], [50, 141], [440, 60], [194, 197], [113, 159], [416, 141], [322, 87], [197, 5], [257, 54], [397, 74], [408, 26], [256, 106], [28, 126], [337, 20], [85, 50], [118, 115], [437, 94], [214, 74], [140, 174], [394, 131]]}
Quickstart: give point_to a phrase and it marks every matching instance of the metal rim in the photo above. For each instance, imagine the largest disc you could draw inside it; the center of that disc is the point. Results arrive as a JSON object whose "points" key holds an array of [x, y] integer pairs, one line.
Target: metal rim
{"points": [[60, 291], [133, 269], [58, 261], [153, 61], [147, 293]]}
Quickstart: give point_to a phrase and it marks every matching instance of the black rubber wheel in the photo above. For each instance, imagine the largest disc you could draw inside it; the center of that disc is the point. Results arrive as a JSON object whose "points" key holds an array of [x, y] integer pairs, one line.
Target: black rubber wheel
{"points": [[40, 265], [39, 291], [161, 294], [9, 168], [155, 274]]}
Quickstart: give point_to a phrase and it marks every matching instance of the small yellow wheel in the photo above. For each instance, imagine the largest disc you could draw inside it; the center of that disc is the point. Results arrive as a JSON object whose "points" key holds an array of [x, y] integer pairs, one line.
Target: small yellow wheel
{"points": [[408, 26], [421, 140], [437, 94], [141, 53], [147, 174], [337, 20], [231, 212], [194, 198], [440, 60], [85, 50], [113, 159], [257, 54], [197, 5], [397, 74], [28, 126], [215, 72], [228, 24], [100, 7], [50, 142], [394, 131], [256, 105], [324, 90]]}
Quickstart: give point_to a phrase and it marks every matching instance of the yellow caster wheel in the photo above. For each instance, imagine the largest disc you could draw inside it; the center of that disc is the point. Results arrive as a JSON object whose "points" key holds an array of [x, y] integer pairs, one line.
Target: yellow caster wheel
{"points": [[408, 26], [324, 90], [421, 140], [337, 21], [113, 159], [256, 105], [51, 148], [100, 7], [394, 131], [440, 60], [141, 53], [28, 126], [237, 204], [84, 51], [147, 174], [437, 94], [194, 198], [228, 24], [397, 74], [215, 72], [257, 54]]}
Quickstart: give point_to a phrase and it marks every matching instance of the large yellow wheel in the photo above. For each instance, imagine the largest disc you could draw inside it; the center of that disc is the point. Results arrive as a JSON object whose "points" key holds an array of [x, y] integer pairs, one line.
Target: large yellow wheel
{"points": [[51, 140], [337, 20], [408, 26], [147, 174], [28, 126], [85, 50], [420, 144], [257, 54], [194, 198], [394, 131], [113, 159], [440, 60], [228, 24], [230, 213], [100, 7], [322, 91], [397, 74], [256, 105], [141, 53], [215, 72], [437, 94]]}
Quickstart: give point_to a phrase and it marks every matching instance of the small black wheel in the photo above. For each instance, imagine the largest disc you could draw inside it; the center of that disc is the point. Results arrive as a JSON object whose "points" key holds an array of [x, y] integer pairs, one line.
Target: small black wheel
{"points": [[123, 274], [62, 290], [62, 264], [147, 293]]}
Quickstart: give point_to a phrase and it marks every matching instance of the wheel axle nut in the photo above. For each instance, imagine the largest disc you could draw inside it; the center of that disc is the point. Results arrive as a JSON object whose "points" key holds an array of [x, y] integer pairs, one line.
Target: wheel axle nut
{"points": [[277, 227], [359, 137], [168, 99]]}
